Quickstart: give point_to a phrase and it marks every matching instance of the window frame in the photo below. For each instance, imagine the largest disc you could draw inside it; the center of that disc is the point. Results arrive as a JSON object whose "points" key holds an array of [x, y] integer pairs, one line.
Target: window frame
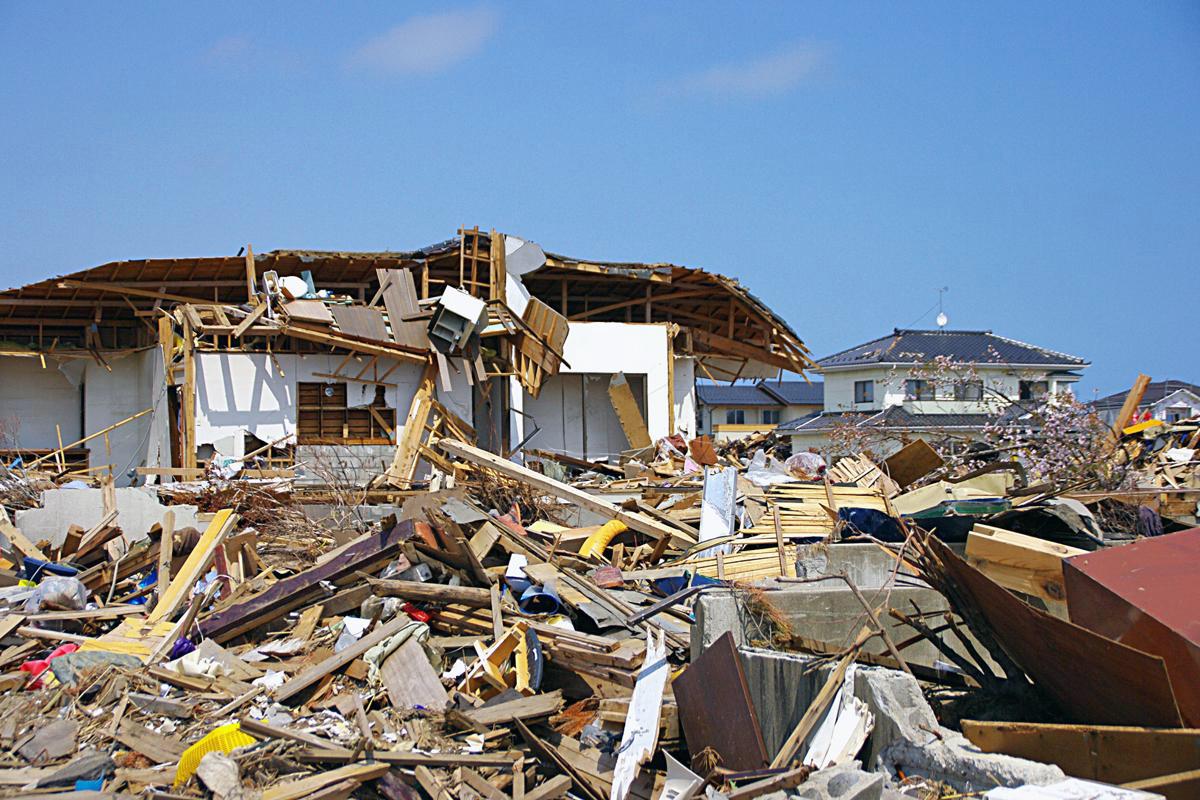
{"points": [[924, 389], [1029, 395], [773, 412], [868, 395], [960, 391], [730, 413]]}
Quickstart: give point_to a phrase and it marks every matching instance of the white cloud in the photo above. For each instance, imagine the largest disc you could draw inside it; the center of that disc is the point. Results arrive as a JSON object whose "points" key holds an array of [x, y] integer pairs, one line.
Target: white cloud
{"points": [[426, 44], [229, 49], [767, 75]]}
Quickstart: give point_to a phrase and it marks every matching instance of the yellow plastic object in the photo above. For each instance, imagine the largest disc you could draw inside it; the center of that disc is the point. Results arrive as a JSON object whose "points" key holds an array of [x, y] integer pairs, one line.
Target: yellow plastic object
{"points": [[595, 544], [224, 739], [1141, 426]]}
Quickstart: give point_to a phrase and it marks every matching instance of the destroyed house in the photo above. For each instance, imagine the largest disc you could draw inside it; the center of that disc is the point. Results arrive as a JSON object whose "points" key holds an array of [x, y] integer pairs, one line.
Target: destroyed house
{"points": [[337, 367]]}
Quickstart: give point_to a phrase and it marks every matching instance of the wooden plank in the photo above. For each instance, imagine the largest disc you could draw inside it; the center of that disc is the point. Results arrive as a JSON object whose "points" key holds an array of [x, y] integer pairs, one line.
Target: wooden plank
{"points": [[400, 300], [428, 592], [307, 787], [174, 595], [365, 323], [158, 748], [912, 462], [816, 711], [562, 491], [1130, 406], [19, 540], [553, 788], [366, 553], [251, 278], [337, 661], [1176, 786], [1110, 753], [255, 314], [628, 414], [404, 463], [411, 681], [188, 403], [166, 551], [1021, 563], [526, 708]]}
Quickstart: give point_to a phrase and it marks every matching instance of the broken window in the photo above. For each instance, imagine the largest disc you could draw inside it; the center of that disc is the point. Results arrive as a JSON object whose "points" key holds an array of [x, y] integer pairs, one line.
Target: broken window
{"points": [[735, 416], [864, 391], [770, 416], [918, 390], [968, 390], [324, 417], [1034, 390]]}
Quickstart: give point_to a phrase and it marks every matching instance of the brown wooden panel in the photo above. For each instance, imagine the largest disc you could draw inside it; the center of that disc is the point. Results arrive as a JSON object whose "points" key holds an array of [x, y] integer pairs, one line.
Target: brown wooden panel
{"points": [[715, 708]]}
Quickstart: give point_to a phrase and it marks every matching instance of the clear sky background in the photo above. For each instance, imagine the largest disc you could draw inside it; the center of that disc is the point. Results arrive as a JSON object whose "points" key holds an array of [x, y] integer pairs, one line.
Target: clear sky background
{"points": [[843, 160]]}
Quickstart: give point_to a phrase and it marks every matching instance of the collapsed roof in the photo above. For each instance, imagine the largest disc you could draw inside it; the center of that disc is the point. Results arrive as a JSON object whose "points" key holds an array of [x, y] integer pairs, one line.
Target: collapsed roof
{"points": [[113, 306]]}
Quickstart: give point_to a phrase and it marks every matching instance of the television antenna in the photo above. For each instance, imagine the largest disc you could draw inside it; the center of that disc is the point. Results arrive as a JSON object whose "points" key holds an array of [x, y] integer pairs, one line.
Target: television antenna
{"points": [[942, 319]]}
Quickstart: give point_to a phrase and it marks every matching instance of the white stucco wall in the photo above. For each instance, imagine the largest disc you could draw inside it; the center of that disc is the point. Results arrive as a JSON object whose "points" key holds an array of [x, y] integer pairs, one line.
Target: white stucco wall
{"points": [[595, 351], [111, 396], [889, 390], [33, 399], [238, 393]]}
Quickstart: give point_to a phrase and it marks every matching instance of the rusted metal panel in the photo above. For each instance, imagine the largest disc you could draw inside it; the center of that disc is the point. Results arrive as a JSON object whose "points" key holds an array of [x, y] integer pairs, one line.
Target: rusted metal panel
{"points": [[715, 708], [1093, 678], [1146, 595]]}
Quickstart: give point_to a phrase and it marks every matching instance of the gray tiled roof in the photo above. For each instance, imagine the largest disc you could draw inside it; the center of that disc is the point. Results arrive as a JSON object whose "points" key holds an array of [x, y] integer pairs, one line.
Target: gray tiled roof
{"points": [[892, 418], [763, 393], [918, 346], [1155, 391]]}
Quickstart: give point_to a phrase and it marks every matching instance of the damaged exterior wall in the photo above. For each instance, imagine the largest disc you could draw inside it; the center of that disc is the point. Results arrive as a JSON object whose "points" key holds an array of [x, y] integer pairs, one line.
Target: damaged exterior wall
{"points": [[80, 396], [573, 411]]}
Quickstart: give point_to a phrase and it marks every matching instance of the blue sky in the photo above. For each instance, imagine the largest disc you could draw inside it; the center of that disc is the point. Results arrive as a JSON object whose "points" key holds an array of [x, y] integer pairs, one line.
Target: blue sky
{"points": [[843, 160]]}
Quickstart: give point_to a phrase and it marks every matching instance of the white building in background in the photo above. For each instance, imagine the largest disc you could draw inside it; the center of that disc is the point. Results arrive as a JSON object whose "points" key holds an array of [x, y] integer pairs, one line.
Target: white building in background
{"points": [[929, 384], [1169, 401]]}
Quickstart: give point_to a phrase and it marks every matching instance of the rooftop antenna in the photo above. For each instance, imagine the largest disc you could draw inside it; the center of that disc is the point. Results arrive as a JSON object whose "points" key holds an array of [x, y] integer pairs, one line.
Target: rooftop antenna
{"points": [[942, 319]]}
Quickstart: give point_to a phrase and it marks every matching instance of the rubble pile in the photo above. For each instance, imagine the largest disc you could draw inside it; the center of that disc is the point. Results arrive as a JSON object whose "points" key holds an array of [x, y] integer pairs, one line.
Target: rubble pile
{"points": [[472, 615], [513, 634]]}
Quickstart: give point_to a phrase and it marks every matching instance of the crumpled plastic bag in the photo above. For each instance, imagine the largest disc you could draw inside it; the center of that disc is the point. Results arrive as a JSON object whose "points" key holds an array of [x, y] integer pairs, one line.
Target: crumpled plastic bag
{"points": [[806, 466], [57, 593], [764, 470]]}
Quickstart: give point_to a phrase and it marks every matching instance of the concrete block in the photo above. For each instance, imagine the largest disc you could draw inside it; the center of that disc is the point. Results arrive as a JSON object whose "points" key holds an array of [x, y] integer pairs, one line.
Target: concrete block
{"points": [[906, 736], [865, 564], [138, 509], [827, 612], [843, 782]]}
